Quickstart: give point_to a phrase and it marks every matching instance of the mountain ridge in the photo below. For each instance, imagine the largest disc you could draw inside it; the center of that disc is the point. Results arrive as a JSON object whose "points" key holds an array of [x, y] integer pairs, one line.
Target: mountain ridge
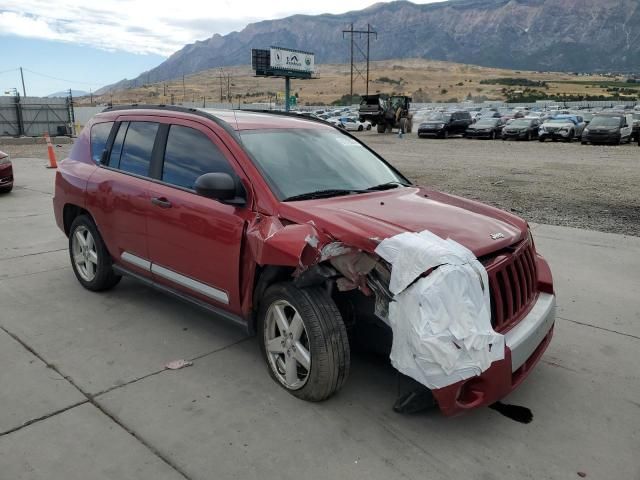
{"points": [[549, 35]]}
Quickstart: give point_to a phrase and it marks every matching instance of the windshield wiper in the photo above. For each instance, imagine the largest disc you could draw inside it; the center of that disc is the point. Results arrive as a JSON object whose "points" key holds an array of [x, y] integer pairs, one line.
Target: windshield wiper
{"points": [[387, 186], [332, 192]]}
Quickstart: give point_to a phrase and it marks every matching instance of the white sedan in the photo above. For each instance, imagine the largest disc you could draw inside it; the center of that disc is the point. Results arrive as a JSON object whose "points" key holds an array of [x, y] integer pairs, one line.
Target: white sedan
{"points": [[353, 124]]}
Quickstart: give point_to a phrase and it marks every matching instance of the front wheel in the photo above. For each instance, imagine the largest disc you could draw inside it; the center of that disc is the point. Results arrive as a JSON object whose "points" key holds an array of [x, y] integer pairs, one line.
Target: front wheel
{"points": [[360, 128], [90, 258], [303, 340]]}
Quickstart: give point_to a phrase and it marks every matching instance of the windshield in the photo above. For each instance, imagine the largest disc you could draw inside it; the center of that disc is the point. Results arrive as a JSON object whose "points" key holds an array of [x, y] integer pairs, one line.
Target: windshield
{"points": [[442, 117], [603, 121], [299, 161], [520, 123], [487, 122], [560, 120]]}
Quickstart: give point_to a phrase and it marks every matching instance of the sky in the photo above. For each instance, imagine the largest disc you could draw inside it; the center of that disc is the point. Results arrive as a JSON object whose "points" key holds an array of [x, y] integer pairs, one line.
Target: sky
{"points": [[83, 45]]}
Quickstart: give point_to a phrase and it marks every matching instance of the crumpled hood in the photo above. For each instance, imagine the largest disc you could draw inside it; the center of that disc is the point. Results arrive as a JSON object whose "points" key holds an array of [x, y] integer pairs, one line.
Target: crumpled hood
{"points": [[364, 220]]}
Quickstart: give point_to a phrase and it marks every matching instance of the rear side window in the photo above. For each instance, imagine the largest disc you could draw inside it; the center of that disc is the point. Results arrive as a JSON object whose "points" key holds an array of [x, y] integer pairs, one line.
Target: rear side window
{"points": [[137, 147], [189, 154], [99, 136]]}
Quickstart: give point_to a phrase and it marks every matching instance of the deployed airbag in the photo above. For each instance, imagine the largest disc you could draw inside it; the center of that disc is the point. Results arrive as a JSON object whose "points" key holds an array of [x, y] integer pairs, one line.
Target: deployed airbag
{"points": [[441, 322]]}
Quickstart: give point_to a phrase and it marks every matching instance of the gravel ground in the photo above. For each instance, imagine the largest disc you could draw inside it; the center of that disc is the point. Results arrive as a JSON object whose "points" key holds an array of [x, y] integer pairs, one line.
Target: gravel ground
{"points": [[584, 186], [592, 187]]}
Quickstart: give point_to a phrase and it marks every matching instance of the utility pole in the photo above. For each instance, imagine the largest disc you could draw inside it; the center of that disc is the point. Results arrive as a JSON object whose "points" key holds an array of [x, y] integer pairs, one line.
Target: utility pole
{"points": [[220, 85], [229, 99], [354, 68], [24, 92], [184, 94]]}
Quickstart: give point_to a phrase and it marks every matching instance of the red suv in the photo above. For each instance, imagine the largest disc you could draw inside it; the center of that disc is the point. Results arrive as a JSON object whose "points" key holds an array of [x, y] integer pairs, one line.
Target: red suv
{"points": [[272, 222], [6, 173]]}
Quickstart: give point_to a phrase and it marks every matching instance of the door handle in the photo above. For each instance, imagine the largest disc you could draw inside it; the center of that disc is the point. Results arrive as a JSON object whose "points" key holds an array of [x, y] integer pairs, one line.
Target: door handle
{"points": [[161, 202]]}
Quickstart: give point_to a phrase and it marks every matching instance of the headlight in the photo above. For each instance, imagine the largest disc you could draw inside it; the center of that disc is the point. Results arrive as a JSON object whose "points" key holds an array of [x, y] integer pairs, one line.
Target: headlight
{"points": [[4, 160], [441, 125], [586, 130]]}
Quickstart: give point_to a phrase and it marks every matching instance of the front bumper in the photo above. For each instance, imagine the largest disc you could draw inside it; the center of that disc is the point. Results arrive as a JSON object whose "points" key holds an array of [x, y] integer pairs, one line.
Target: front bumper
{"points": [[6, 175], [525, 344], [431, 132], [554, 135], [613, 137], [518, 134], [478, 134]]}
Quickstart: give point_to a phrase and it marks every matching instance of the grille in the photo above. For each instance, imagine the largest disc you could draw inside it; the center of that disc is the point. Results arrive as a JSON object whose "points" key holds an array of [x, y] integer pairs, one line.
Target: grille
{"points": [[512, 285]]}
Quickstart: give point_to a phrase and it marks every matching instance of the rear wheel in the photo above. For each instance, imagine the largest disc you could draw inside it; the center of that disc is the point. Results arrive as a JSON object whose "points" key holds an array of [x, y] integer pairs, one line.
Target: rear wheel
{"points": [[381, 127], [303, 340], [360, 128], [90, 259], [403, 125]]}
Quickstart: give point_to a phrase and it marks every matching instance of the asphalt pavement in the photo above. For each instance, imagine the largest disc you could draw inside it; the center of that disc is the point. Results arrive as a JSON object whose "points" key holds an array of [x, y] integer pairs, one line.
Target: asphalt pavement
{"points": [[84, 393]]}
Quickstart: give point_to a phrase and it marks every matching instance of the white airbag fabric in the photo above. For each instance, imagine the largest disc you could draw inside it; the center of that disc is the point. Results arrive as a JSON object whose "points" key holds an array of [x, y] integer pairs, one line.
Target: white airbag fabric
{"points": [[442, 322]]}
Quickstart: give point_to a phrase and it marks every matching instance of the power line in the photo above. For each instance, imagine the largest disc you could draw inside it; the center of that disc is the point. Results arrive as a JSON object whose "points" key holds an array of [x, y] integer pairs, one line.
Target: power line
{"points": [[60, 79], [10, 70]]}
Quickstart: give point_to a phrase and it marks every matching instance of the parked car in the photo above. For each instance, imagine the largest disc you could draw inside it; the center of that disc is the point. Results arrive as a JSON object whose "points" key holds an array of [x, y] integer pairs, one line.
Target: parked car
{"points": [[521, 129], [336, 122], [443, 125], [353, 124], [561, 127], [636, 126], [273, 223], [6, 173], [609, 128], [490, 128]]}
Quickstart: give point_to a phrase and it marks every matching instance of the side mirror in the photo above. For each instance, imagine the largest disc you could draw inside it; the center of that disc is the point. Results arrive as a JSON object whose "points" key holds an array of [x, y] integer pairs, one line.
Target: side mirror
{"points": [[219, 186]]}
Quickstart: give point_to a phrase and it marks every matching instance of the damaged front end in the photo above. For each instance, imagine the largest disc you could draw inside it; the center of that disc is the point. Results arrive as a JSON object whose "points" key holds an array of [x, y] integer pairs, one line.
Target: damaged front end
{"points": [[423, 300]]}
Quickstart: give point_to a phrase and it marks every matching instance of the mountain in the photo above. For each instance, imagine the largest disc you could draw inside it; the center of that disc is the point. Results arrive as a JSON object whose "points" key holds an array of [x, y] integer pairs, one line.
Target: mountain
{"points": [[557, 35], [65, 93]]}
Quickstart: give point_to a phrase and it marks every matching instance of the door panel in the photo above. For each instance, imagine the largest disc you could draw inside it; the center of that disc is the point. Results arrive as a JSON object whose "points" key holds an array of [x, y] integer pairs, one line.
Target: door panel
{"points": [[119, 200], [195, 242]]}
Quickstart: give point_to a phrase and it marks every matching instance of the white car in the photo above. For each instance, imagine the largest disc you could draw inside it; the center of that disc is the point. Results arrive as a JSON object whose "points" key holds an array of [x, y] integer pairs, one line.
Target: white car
{"points": [[562, 127], [353, 124]]}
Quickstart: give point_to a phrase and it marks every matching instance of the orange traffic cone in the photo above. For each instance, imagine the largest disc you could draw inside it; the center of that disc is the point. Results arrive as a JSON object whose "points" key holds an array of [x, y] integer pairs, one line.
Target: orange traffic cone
{"points": [[52, 154]]}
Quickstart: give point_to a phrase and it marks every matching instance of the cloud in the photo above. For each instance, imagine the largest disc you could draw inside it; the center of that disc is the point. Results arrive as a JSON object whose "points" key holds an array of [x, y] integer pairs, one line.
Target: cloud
{"points": [[148, 26]]}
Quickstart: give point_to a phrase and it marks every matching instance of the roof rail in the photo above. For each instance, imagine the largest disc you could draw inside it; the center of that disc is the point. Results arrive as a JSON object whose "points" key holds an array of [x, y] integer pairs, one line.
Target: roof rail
{"points": [[286, 114], [177, 108]]}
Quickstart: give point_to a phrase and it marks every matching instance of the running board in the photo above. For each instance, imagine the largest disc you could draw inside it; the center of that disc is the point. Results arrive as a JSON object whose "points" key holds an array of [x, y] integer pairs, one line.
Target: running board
{"points": [[229, 317]]}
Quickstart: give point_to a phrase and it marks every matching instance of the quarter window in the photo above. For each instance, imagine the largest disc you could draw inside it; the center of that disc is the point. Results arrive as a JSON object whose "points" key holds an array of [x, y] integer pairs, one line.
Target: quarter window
{"points": [[99, 136], [189, 154]]}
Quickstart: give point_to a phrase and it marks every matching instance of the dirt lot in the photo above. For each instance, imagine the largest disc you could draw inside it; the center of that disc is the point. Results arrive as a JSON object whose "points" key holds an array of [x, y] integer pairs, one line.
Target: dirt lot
{"points": [[592, 187]]}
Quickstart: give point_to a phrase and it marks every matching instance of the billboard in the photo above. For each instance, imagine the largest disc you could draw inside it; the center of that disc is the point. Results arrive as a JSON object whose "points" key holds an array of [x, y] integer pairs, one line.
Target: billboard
{"points": [[292, 60]]}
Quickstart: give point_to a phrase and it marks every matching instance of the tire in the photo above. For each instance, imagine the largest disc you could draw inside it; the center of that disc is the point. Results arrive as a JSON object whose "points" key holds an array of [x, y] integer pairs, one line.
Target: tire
{"points": [[541, 139], [528, 136], [323, 335], [381, 127], [445, 135], [493, 135], [403, 125], [360, 128], [369, 127], [97, 274], [6, 189], [583, 142]]}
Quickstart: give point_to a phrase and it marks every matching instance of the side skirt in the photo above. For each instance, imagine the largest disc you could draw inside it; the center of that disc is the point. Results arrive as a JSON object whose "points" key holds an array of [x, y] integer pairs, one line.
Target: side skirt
{"points": [[218, 312]]}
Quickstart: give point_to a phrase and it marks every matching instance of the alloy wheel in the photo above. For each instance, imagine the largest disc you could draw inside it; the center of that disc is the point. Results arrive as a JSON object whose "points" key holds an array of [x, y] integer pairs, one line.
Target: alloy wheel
{"points": [[85, 253], [287, 345]]}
